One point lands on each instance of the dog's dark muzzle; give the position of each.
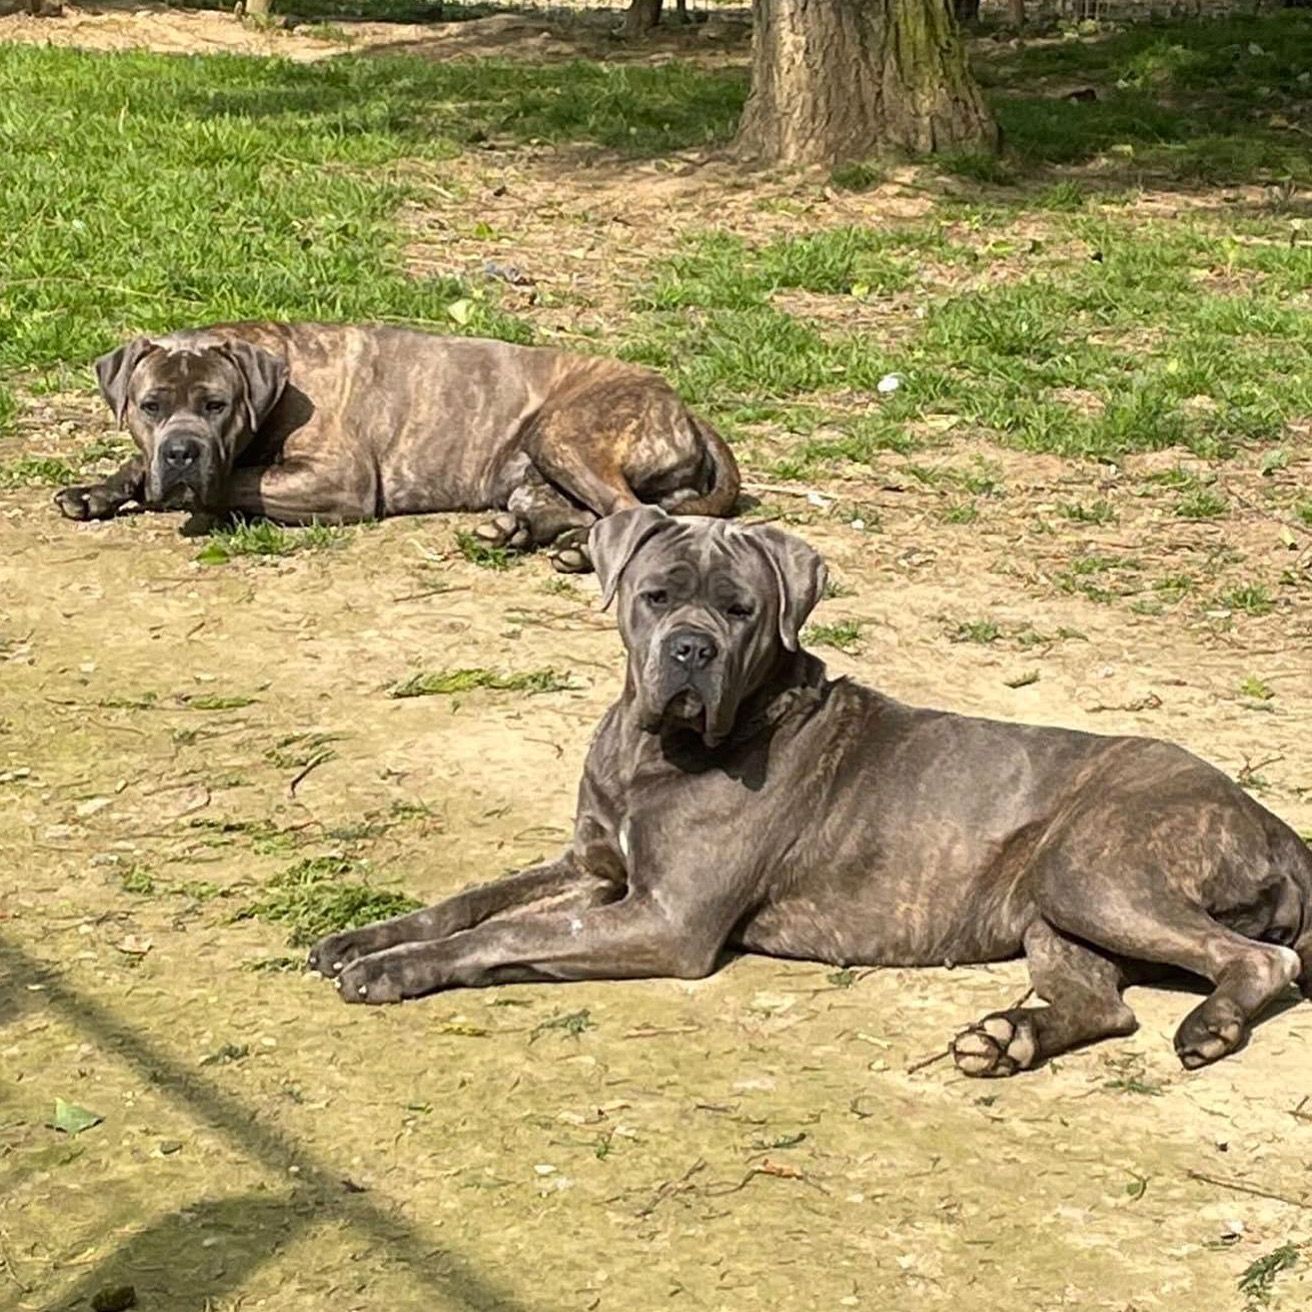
(183, 469)
(689, 684)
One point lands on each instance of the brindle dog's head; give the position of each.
(706, 610)
(191, 407)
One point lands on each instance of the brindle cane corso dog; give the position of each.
(736, 797)
(338, 423)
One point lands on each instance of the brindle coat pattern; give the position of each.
(339, 423)
(736, 797)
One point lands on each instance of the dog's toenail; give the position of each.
(362, 991)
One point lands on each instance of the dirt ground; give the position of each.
(771, 1137)
(132, 26)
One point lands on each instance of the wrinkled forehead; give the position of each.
(697, 557)
(174, 369)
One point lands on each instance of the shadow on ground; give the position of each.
(247, 1230)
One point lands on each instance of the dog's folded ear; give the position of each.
(801, 574)
(264, 374)
(114, 371)
(615, 540)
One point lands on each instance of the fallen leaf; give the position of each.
(72, 1119)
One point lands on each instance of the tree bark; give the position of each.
(256, 8)
(966, 11)
(840, 80)
(1016, 13)
(643, 15)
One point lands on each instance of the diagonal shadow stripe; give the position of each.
(440, 1272)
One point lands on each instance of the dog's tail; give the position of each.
(723, 482)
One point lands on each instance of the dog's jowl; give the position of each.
(736, 797)
(340, 423)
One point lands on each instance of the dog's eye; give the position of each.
(214, 406)
(657, 597)
(149, 407)
(740, 611)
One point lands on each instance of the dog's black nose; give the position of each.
(180, 452)
(693, 648)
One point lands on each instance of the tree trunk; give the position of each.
(1016, 13)
(256, 8)
(966, 11)
(643, 15)
(839, 80)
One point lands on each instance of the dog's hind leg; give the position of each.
(1082, 989)
(1140, 916)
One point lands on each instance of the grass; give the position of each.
(264, 540)
(447, 683)
(1256, 689)
(843, 635)
(1092, 512)
(28, 471)
(1201, 503)
(1207, 102)
(315, 897)
(1251, 598)
(1259, 1277)
(482, 554)
(243, 186)
(981, 631)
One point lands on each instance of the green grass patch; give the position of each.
(1197, 101)
(36, 471)
(723, 270)
(1256, 689)
(1088, 512)
(317, 896)
(981, 631)
(1251, 598)
(1258, 1279)
(843, 635)
(483, 554)
(448, 683)
(211, 188)
(263, 539)
(1201, 503)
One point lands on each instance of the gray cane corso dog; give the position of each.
(337, 423)
(736, 797)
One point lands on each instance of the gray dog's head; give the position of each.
(707, 608)
(191, 408)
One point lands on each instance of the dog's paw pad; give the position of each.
(1204, 1038)
(998, 1046)
(570, 560)
(503, 530)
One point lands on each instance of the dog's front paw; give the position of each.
(1214, 1029)
(370, 980)
(94, 501)
(331, 955)
(999, 1045)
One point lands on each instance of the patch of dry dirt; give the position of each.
(725, 1143)
(132, 26)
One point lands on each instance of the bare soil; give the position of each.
(770, 1137)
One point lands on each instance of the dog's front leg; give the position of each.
(104, 500)
(304, 492)
(561, 883)
(632, 939)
